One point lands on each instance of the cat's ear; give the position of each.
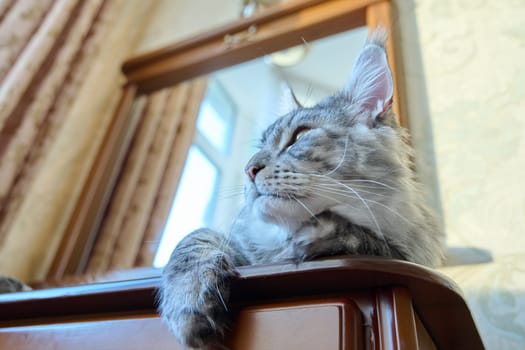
(370, 85)
(289, 101)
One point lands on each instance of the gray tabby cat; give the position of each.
(12, 285)
(328, 180)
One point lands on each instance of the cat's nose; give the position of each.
(252, 170)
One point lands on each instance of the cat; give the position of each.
(333, 179)
(12, 285)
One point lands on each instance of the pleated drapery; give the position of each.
(38, 81)
(140, 205)
(53, 53)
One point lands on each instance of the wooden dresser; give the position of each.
(350, 303)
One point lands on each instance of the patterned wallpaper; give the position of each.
(473, 54)
(464, 64)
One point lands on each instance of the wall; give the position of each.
(175, 20)
(466, 88)
(472, 55)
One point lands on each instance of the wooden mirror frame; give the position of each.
(282, 26)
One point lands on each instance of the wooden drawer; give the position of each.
(325, 324)
(322, 324)
(130, 333)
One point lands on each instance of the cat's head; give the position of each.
(346, 150)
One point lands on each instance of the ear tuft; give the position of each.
(378, 37)
(370, 85)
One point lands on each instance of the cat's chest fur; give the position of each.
(265, 242)
(259, 238)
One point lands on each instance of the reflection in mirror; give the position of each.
(240, 102)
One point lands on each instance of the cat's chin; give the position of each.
(278, 210)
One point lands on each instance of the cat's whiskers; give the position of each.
(354, 185)
(354, 181)
(289, 193)
(341, 161)
(370, 181)
(229, 196)
(319, 193)
(345, 193)
(220, 296)
(231, 192)
(280, 219)
(327, 196)
(342, 188)
(374, 219)
(305, 207)
(359, 185)
(336, 187)
(235, 221)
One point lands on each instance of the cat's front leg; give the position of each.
(195, 288)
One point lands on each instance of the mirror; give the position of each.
(240, 102)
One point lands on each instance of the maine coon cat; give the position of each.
(333, 179)
(12, 285)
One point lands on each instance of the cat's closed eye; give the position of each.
(298, 133)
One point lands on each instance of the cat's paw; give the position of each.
(302, 251)
(12, 285)
(194, 301)
(195, 329)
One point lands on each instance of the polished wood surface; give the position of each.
(115, 333)
(398, 302)
(395, 317)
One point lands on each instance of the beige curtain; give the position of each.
(139, 207)
(51, 53)
(38, 78)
